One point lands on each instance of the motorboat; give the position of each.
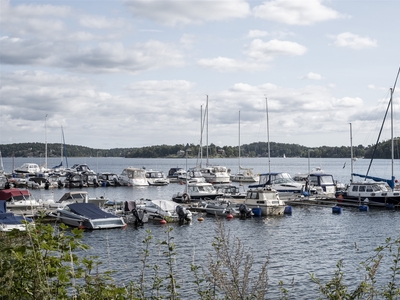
(28, 168)
(226, 209)
(90, 180)
(164, 210)
(156, 178)
(215, 174)
(80, 168)
(74, 180)
(4, 184)
(321, 184)
(20, 199)
(88, 216)
(133, 177)
(9, 221)
(230, 191)
(133, 215)
(192, 175)
(265, 200)
(108, 179)
(245, 175)
(196, 191)
(282, 182)
(173, 174)
(77, 197)
(376, 191)
(378, 194)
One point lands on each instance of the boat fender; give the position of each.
(186, 197)
(336, 210)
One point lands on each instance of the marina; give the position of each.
(310, 240)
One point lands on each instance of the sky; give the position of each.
(122, 74)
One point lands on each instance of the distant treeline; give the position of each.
(259, 149)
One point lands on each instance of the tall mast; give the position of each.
(201, 136)
(206, 111)
(351, 153)
(391, 126)
(45, 141)
(269, 150)
(239, 140)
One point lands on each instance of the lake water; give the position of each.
(311, 240)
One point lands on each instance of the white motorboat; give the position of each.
(282, 182)
(133, 215)
(196, 191)
(164, 210)
(133, 177)
(215, 174)
(193, 175)
(266, 200)
(156, 178)
(245, 175)
(76, 197)
(20, 200)
(89, 216)
(10, 221)
(173, 174)
(226, 209)
(4, 184)
(108, 179)
(28, 168)
(231, 192)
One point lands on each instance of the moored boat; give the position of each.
(133, 177)
(20, 200)
(266, 200)
(88, 216)
(9, 221)
(282, 182)
(196, 191)
(215, 174)
(156, 178)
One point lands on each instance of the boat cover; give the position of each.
(90, 210)
(7, 194)
(10, 218)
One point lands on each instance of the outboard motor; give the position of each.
(182, 214)
(244, 211)
(131, 206)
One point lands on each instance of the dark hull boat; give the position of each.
(88, 216)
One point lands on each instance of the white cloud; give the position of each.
(101, 22)
(105, 57)
(312, 76)
(353, 41)
(257, 33)
(27, 19)
(171, 12)
(295, 12)
(267, 51)
(224, 64)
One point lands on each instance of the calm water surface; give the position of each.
(311, 240)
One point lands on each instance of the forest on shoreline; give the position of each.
(256, 149)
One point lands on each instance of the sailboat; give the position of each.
(264, 199)
(282, 182)
(59, 168)
(244, 174)
(213, 174)
(378, 192)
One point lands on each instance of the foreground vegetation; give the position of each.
(259, 149)
(47, 262)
